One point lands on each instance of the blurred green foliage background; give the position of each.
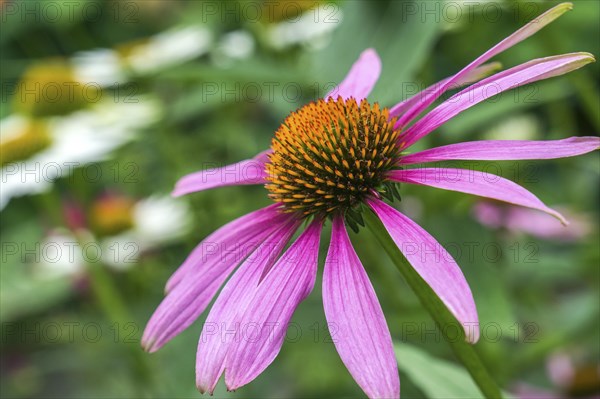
(77, 335)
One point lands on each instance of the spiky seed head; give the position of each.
(329, 155)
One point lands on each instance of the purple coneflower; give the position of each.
(328, 159)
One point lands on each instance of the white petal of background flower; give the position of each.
(78, 139)
(100, 66)
(170, 48)
(238, 44)
(311, 26)
(60, 256)
(161, 219)
(157, 220)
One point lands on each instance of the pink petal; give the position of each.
(227, 238)
(249, 171)
(500, 150)
(190, 297)
(473, 76)
(528, 30)
(434, 264)
(263, 156)
(360, 80)
(357, 324)
(528, 72)
(265, 320)
(223, 320)
(476, 183)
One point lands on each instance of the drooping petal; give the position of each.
(249, 171)
(360, 80)
(357, 324)
(227, 238)
(528, 72)
(434, 264)
(190, 297)
(502, 150)
(265, 320)
(476, 183)
(473, 76)
(222, 322)
(526, 31)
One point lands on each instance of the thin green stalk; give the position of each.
(108, 297)
(442, 317)
(113, 306)
(110, 300)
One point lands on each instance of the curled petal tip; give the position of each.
(564, 221)
(589, 57)
(563, 7)
(560, 217)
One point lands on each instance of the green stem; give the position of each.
(108, 297)
(113, 306)
(110, 300)
(442, 317)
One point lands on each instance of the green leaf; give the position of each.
(23, 296)
(436, 378)
(402, 41)
(21, 292)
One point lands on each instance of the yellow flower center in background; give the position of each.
(52, 89)
(112, 215)
(330, 155)
(29, 138)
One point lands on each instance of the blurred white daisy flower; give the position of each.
(236, 45)
(169, 48)
(102, 66)
(36, 152)
(172, 47)
(138, 227)
(120, 231)
(60, 256)
(311, 28)
(161, 219)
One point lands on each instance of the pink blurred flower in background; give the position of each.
(570, 376)
(532, 222)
